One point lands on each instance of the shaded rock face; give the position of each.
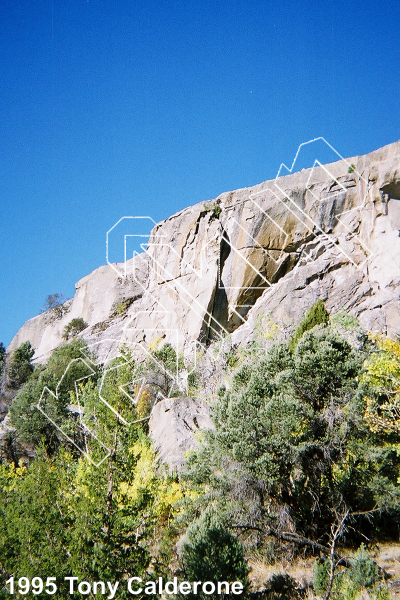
(274, 249)
(173, 426)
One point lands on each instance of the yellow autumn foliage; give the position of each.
(382, 377)
(10, 474)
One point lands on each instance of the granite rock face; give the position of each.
(270, 251)
(276, 248)
(173, 426)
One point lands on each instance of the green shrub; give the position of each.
(364, 572)
(194, 382)
(321, 576)
(143, 405)
(292, 425)
(123, 306)
(169, 358)
(20, 367)
(349, 583)
(351, 168)
(232, 359)
(2, 357)
(215, 208)
(61, 372)
(73, 328)
(212, 553)
(317, 315)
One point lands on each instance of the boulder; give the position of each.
(173, 426)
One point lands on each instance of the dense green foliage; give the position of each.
(348, 583)
(20, 367)
(294, 449)
(212, 553)
(49, 387)
(317, 315)
(73, 328)
(304, 455)
(90, 514)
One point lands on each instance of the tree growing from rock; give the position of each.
(20, 367)
(73, 328)
(317, 315)
(52, 301)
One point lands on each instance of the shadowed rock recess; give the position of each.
(328, 232)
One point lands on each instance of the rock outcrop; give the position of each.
(174, 424)
(216, 268)
(277, 247)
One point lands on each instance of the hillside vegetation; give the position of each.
(303, 464)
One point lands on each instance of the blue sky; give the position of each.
(142, 108)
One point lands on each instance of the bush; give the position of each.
(349, 583)
(61, 372)
(215, 208)
(143, 405)
(74, 327)
(321, 576)
(290, 434)
(282, 587)
(212, 553)
(20, 367)
(317, 315)
(2, 357)
(122, 306)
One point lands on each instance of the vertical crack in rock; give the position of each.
(217, 317)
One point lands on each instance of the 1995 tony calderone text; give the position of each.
(134, 585)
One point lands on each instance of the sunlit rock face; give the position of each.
(257, 255)
(173, 426)
(274, 249)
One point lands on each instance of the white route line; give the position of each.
(325, 235)
(298, 152)
(308, 188)
(184, 294)
(120, 387)
(202, 251)
(113, 265)
(231, 287)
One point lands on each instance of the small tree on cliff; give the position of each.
(2, 357)
(20, 368)
(317, 315)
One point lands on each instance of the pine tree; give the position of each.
(212, 553)
(20, 368)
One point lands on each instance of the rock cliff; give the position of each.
(329, 232)
(216, 270)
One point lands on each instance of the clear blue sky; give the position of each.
(122, 107)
